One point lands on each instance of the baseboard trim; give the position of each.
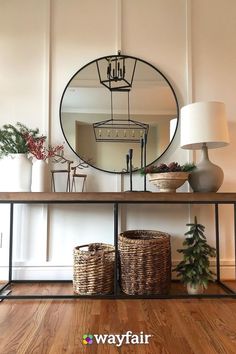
(38, 272)
(57, 272)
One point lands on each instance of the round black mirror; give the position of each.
(115, 104)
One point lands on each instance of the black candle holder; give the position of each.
(130, 169)
(129, 163)
(145, 162)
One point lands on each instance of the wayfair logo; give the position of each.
(117, 339)
(87, 339)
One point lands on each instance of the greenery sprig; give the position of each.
(172, 167)
(195, 266)
(12, 139)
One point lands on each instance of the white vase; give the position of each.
(40, 176)
(16, 172)
(194, 289)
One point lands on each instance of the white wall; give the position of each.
(43, 43)
(214, 68)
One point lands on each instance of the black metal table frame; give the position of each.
(5, 292)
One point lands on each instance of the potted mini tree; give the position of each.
(194, 270)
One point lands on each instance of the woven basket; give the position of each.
(94, 269)
(145, 262)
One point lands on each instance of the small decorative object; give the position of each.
(143, 145)
(194, 270)
(168, 177)
(168, 182)
(40, 169)
(130, 169)
(145, 262)
(127, 163)
(77, 175)
(94, 269)
(40, 176)
(69, 171)
(16, 167)
(60, 158)
(204, 126)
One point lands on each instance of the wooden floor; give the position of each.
(177, 326)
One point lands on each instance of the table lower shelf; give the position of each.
(64, 290)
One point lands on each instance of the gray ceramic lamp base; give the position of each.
(207, 177)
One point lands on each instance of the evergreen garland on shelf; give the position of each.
(195, 267)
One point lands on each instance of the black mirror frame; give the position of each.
(138, 59)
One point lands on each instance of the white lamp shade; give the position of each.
(204, 122)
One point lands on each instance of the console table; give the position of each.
(117, 199)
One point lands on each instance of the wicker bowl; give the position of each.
(93, 271)
(168, 181)
(145, 262)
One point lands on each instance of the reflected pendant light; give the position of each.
(120, 130)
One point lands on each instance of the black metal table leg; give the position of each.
(4, 291)
(227, 288)
(116, 209)
(217, 243)
(235, 241)
(11, 242)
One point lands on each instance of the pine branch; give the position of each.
(12, 139)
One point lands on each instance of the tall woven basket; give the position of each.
(93, 271)
(145, 262)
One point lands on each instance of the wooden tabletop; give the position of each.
(113, 197)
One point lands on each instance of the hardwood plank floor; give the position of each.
(189, 326)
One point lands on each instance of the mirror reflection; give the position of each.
(116, 104)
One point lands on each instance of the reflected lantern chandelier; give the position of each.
(114, 74)
(120, 130)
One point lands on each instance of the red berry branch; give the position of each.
(37, 148)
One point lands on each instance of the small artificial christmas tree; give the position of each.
(194, 269)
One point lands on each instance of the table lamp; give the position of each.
(204, 126)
